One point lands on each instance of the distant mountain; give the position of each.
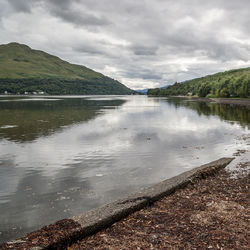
(142, 91)
(23, 69)
(232, 83)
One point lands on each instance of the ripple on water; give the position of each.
(8, 126)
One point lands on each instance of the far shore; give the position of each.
(231, 101)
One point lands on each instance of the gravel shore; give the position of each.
(213, 213)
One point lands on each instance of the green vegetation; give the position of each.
(55, 86)
(233, 83)
(23, 69)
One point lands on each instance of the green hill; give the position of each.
(23, 69)
(232, 83)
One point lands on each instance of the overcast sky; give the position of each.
(142, 43)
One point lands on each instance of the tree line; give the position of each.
(234, 83)
(55, 86)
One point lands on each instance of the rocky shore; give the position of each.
(212, 213)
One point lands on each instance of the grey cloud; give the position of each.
(61, 3)
(144, 50)
(226, 52)
(20, 5)
(142, 73)
(79, 18)
(161, 41)
(69, 11)
(62, 9)
(85, 48)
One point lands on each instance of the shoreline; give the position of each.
(228, 101)
(244, 102)
(212, 213)
(68, 231)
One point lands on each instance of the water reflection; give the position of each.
(110, 147)
(23, 121)
(225, 112)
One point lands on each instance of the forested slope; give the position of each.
(233, 83)
(23, 69)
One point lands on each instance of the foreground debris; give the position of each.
(212, 213)
(63, 233)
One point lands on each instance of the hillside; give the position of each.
(23, 69)
(233, 83)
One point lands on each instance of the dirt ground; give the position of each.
(213, 213)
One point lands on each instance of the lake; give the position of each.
(63, 155)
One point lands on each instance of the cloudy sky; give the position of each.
(142, 43)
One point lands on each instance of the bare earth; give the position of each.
(213, 213)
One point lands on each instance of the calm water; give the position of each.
(60, 156)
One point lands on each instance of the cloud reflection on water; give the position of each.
(86, 164)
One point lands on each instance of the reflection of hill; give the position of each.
(225, 112)
(40, 118)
